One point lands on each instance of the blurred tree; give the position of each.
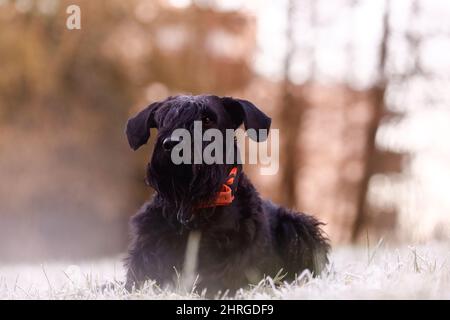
(290, 119)
(376, 160)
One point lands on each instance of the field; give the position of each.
(381, 272)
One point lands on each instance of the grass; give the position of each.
(382, 272)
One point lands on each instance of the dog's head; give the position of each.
(187, 184)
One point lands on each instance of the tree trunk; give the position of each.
(377, 97)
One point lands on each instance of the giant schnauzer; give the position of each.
(242, 235)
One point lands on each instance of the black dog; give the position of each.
(243, 237)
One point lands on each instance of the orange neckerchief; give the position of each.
(225, 196)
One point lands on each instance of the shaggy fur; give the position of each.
(240, 243)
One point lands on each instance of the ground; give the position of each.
(381, 272)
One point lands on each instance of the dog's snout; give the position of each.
(169, 143)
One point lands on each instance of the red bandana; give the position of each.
(225, 196)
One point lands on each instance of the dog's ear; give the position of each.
(138, 127)
(243, 111)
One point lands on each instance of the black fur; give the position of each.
(241, 242)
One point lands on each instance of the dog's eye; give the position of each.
(206, 120)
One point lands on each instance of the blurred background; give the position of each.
(358, 88)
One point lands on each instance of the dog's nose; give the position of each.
(169, 143)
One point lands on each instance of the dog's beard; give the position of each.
(184, 187)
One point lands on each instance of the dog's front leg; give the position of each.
(141, 267)
(146, 250)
